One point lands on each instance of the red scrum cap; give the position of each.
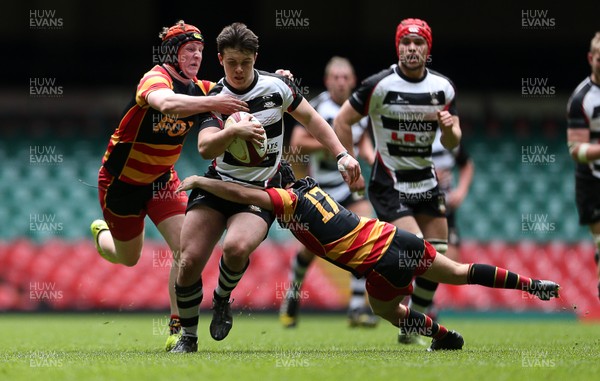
(179, 34)
(413, 26)
(173, 39)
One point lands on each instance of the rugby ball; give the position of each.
(246, 152)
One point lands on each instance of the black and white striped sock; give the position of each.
(424, 290)
(188, 301)
(297, 273)
(357, 300)
(228, 279)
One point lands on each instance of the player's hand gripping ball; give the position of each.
(246, 152)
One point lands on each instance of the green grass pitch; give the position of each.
(130, 347)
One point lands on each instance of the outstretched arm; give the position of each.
(228, 191)
(168, 102)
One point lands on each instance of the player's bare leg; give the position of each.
(170, 229)
(129, 252)
(201, 232)
(245, 231)
(123, 252)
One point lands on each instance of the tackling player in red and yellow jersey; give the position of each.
(336, 234)
(388, 257)
(137, 177)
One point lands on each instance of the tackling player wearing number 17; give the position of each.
(386, 256)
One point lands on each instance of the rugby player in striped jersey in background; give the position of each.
(340, 80)
(583, 136)
(407, 103)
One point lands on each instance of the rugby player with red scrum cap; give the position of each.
(137, 176)
(407, 103)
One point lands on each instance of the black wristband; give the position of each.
(341, 155)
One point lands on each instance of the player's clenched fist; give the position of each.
(445, 119)
(348, 167)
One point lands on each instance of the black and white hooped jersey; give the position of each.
(583, 111)
(323, 165)
(268, 98)
(403, 114)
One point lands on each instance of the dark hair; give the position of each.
(237, 36)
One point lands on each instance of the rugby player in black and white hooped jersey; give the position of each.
(406, 104)
(583, 136)
(268, 97)
(340, 80)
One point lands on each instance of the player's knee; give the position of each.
(237, 251)
(385, 310)
(382, 312)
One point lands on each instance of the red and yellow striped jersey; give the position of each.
(147, 143)
(328, 229)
